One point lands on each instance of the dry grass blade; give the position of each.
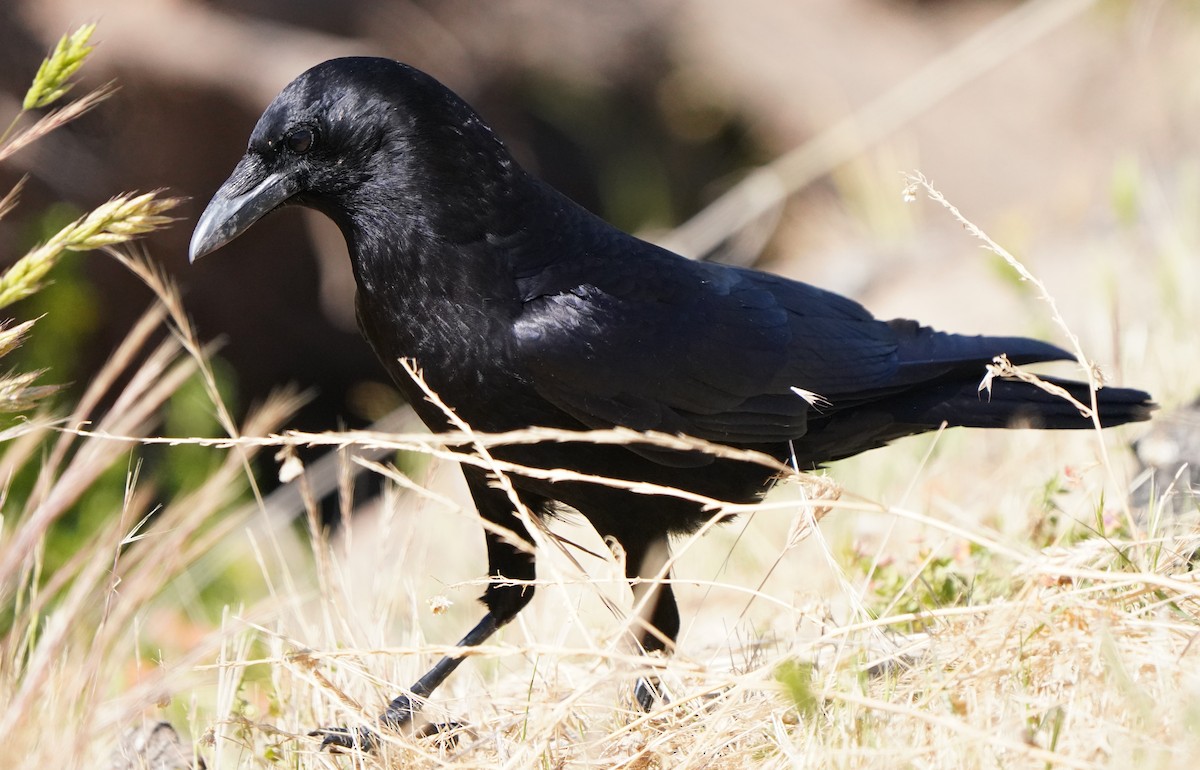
(1095, 381)
(152, 383)
(182, 532)
(1003, 368)
(56, 119)
(154, 277)
(9, 201)
(498, 471)
(917, 180)
(432, 445)
(122, 359)
(422, 442)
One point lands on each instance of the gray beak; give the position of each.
(248, 195)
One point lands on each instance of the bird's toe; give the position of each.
(338, 739)
(446, 734)
(647, 691)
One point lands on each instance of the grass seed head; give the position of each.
(51, 81)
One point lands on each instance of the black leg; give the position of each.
(503, 599)
(661, 612)
(404, 707)
(665, 620)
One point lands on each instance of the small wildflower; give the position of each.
(438, 604)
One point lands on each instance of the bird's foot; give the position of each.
(446, 734)
(339, 739)
(647, 691)
(397, 715)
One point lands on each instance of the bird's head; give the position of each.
(359, 139)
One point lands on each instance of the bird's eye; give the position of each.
(300, 141)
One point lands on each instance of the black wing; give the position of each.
(657, 342)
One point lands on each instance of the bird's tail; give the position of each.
(1011, 403)
(943, 371)
(961, 403)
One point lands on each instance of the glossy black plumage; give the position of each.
(522, 309)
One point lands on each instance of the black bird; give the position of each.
(523, 309)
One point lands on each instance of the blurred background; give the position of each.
(1061, 127)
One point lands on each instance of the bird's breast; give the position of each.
(462, 354)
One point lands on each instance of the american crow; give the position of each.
(523, 309)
